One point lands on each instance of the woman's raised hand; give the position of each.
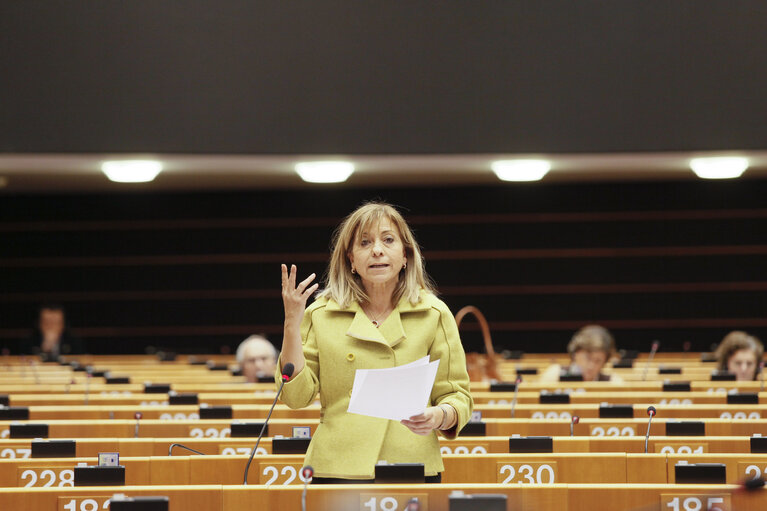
(294, 300)
(294, 297)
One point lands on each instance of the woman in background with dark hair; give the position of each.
(590, 349)
(740, 354)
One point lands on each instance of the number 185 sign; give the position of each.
(692, 502)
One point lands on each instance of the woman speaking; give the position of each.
(378, 310)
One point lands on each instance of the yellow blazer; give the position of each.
(338, 341)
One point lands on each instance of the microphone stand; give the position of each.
(306, 474)
(651, 412)
(170, 449)
(655, 346)
(516, 391)
(138, 416)
(287, 372)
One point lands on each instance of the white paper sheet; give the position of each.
(394, 393)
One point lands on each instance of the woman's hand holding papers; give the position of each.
(424, 423)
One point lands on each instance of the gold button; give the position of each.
(350, 357)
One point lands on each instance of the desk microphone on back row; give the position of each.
(516, 391)
(653, 350)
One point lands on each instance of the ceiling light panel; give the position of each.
(521, 170)
(131, 171)
(324, 171)
(719, 167)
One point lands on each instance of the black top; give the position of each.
(68, 345)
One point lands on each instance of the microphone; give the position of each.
(138, 416)
(575, 420)
(306, 474)
(413, 505)
(655, 346)
(88, 377)
(170, 449)
(753, 484)
(34, 371)
(516, 390)
(651, 412)
(287, 372)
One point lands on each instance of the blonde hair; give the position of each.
(592, 338)
(344, 287)
(735, 341)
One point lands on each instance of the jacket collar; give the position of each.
(390, 333)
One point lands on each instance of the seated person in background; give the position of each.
(52, 337)
(590, 349)
(257, 358)
(740, 354)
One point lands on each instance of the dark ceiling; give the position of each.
(289, 77)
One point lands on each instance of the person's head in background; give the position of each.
(590, 349)
(740, 354)
(51, 323)
(257, 357)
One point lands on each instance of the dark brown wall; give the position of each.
(671, 261)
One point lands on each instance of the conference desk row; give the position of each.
(687, 359)
(280, 470)
(21, 448)
(523, 397)
(390, 497)
(78, 366)
(99, 387)
(248, 412)
(191, 377)
(169, 358)
(221, 428)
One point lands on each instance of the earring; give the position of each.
(353, 270)
(404, 266)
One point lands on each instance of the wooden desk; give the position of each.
(130, 394)
(181, 498)
(632, 497)
(739, 466)
(90, 447)
(574, 497)
(258, 498)
(220, 428)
